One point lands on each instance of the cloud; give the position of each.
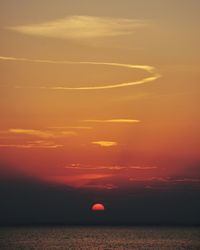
(44, 138)
(114, 121)
(142, 167)
(33, 144)
(168, 182)
(154, 75)
(107, 186)
(82, 27)
(42, 133)
(79, 181)
(78, 166)
(33, 132)
(71, 127)
(105, 143)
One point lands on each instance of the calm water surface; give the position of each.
(135, 238)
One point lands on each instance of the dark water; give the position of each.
(135, 238)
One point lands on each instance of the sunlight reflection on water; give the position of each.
(99, 238)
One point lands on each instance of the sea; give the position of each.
(99, 238)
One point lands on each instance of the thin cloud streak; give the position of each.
(114, 121)
(42, 133)
(33, 144)
(141, 167)
(154, 75)
(168, 182)
(78, 166)
(71, 127)
(101, 186)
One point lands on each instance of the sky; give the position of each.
(100, 97)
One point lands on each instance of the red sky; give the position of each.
(101, 133)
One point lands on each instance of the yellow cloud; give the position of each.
(82, 27)
(33, 144)
(71, 127)
(149, 69)
(34, 132)
(114, 121)
(105, 143)
(42, 133)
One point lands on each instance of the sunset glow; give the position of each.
(100, 96)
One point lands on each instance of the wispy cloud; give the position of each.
(165, 183)
(79, 166)
(34, 144)
(142, 167)
(105, 143)
(147, 68)
(107, 186)
(33, 138)
(70, 127)
(46, 134)
(81, 180)
(114, 121)
(82, 27)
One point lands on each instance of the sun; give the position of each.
(98, 207)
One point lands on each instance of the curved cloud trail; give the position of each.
(150, 69)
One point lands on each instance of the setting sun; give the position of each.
(98, 207)
(99, 112)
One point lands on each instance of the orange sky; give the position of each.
(128, 113)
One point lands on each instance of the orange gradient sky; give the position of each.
(100, 94)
